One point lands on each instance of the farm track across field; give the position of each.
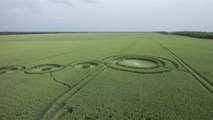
(202, 80)
(55, 110)
(61, 100)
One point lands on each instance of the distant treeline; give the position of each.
(205, 35)
(20, 33)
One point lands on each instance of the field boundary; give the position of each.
(201, 80)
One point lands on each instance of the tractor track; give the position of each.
(201, 79)
(55, 111)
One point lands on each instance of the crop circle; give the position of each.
(140, 64)
(10, 68)
(44, 68)
(87, 65)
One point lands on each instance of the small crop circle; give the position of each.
(10, 68)
(140, 64)
(44, 68)
(87, 65)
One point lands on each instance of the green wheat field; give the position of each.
(105, 76)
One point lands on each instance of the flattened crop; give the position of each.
(140, 64)
(44, 68)
(87, 65)
(10, 68)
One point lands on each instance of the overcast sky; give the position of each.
(106, 15)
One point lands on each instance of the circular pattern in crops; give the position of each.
(140, 64)
(44, 68)
(10, 68)
(87, 65)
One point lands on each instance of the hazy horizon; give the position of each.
(105, 15)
